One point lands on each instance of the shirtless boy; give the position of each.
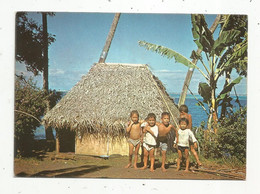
(164, 128)
(134, 130)
(184, 114)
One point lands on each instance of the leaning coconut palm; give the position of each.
(98, 106)
(220, 55)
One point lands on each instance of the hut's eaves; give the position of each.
(103, 99)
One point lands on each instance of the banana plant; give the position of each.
(220, 56)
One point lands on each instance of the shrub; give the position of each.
(29, 107)
(230, 141)
(232, 135)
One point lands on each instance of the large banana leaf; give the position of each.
(224, 93)
(202, 35)
(164, 51)
(234, 57)
(205, 91)
(225, 98)
(195, 56)
(238, 54)
(226, 38)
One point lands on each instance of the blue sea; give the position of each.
(198, 114)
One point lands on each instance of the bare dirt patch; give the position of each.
(69, 165)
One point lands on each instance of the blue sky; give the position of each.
(80, 38)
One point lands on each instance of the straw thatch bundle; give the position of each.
(100, 103)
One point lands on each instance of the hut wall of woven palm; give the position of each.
(102, 100)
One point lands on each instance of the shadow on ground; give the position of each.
(66, 172)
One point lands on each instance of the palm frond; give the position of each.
(169, 53)
(166, 52)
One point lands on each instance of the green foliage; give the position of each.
(225, 40)
(167, 53)
(202, 35)
(205, 91)
(29, 43)
(30, 106)
(232, 135)
(230, 143)
(227, 89)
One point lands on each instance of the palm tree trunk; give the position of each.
(48, 131)
(190, 71)
(45, 54)
(110, 36)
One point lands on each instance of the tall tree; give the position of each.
(48, 130)
(218, 60)
(32, 41)
(29, 43)
(238, 61)
(191, 70)
(110, 37)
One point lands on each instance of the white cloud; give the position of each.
(167, 71)
(56, 72)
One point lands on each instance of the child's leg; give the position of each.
(151, 154)
(142, 154)
(136, 155)
(163, 160)
(187, 159)
(131, 148)
(193, 151)
(145, 158)
(179, 160)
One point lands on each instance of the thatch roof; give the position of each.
(103, 99)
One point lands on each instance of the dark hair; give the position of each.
(165, 113)
(185, 120)
(134, 112)
(183, 108)
(151, 115)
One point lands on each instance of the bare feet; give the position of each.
(135, 167)
(143, 168)
(186, 170)
(151, 170)
(163, 169)
(199, 163)
(128, 165)
(177, 169)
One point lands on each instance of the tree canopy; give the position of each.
(30, 43)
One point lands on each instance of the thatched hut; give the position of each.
(97, 108)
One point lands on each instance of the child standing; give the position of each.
(184, 114)
(150, 133)
(164, 129)
(184, 135)
(135, 132)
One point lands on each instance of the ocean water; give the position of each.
(198, 114)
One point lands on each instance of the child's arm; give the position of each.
(193, 139)
(176, 134)
(175, 143)
(143, 130)
(190, 121)
(195, 145)
(148, 129)
(128, 129)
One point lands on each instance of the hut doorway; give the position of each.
(66, 139)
